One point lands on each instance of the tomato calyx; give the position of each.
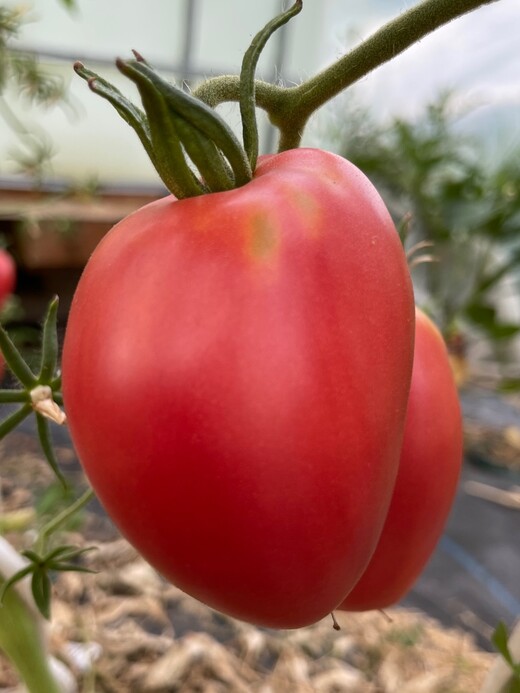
(180, 132)
(40, 393)
(174, 127)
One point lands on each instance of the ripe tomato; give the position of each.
(236, 369)
(427, 479)
(7, 275)
(7, 284)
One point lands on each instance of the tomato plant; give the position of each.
(238, 358)
(427, 479)
(235, 374)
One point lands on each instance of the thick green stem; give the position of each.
(290, 108)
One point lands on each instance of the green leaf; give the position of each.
(503, 330)
(41, 588)
(481, 313)
(500, 641)
(491, 279)
(14, 579)
(485, 316)
(510, 385)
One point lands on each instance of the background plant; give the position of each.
(22, 74)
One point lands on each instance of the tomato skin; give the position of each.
(427, 479)
(236, 368)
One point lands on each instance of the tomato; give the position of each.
(7, 275)
(7, 284)
(427, 479)
(236, 369)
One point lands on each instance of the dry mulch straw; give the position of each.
(124, 629)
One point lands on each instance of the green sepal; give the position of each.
(201, 119)
(247, 99)
(178, 132)
(169, 156)
(16, 577)
(130, 113)
(41, 588)
(57, 560)
(217, 176)
(16, 362)
(50, 347)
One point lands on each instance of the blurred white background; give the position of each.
(478, 56)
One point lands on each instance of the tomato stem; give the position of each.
(290, 108)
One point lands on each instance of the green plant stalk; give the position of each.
(22, 630)
(62, 518)
(290, 108)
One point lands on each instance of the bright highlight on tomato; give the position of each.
(236, 371)
(427, 480)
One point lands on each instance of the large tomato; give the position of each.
(427, 479)
(236, 369)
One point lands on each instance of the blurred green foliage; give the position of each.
(443, 189)
(500, 640)
(22, 78)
